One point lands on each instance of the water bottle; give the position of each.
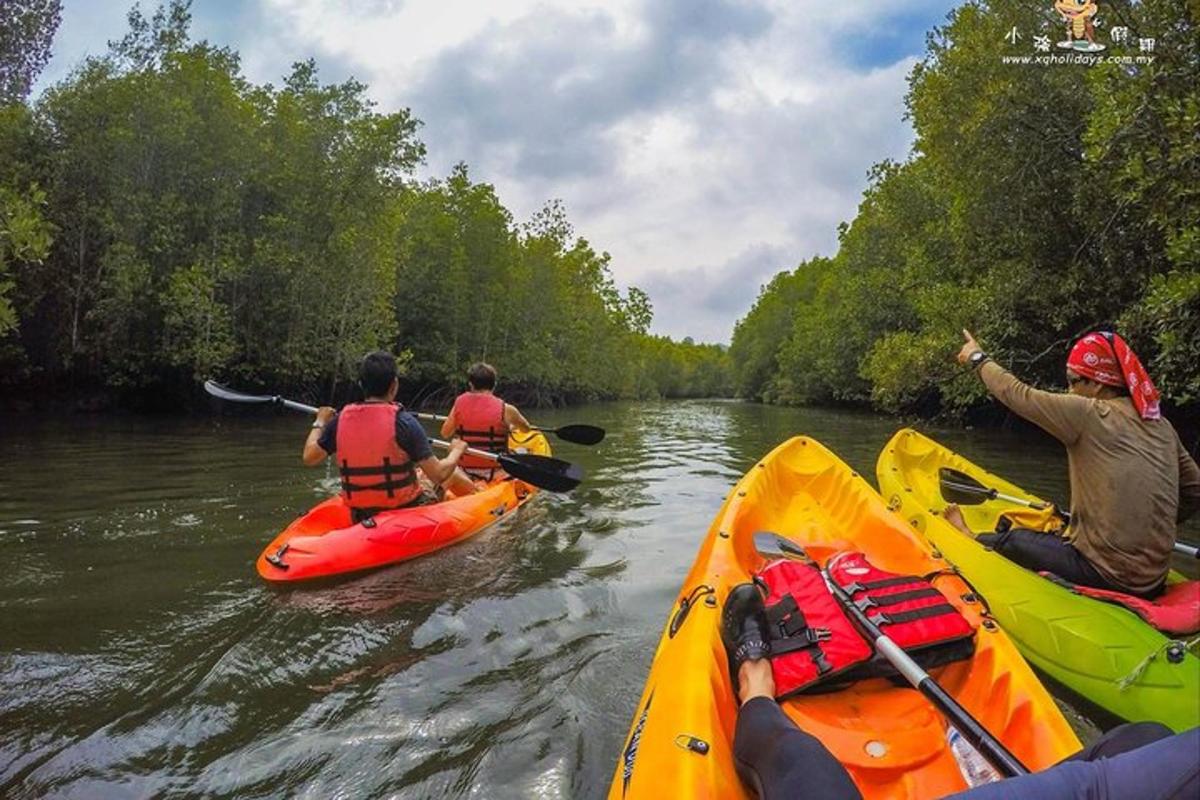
(975, 769)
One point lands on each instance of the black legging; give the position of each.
(1048, 552)
(779, 761)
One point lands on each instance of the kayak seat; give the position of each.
(1176, 611)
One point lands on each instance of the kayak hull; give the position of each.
(890, 738)
(324, 542)
(1105, 653)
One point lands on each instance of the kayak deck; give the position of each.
(890, 738)
(324, 541)
(1102, 651)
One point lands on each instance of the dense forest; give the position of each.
(1039, 201)
(164, 220)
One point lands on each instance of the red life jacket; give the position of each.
(812, 639)
(909, 609)
(367, 449)
(1175, 611)
(814, 642)
(480, 418)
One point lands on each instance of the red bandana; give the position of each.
(1105, 358)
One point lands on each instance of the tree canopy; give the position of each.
(1040, 201)
(163, 220)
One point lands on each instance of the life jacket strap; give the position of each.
(884, 618)
(882, 583)
(879, 601)
(405, 473)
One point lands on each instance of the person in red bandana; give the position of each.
(1132, 480)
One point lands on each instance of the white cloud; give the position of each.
(702, 142)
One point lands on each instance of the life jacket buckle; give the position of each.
(815, 635)
(865, 602)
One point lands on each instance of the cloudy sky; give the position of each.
(706, 144)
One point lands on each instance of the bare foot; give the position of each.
(953, 515)
(755, 679)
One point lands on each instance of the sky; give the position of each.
(705, 144)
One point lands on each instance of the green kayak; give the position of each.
(1104, 652)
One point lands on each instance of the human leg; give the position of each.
(460, 483)
(1046, 552)
(1166, 769)
(1122, 739)
(778, 760)
(772, 755)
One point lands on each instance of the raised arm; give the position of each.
(1060, 415)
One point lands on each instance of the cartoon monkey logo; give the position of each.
(1081, 33)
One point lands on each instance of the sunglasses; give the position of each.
(1074, 379)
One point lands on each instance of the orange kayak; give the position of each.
(890, 738)
(325, 542)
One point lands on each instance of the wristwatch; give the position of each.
(977, 358)
(318, 425)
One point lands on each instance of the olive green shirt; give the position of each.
(1132, 481)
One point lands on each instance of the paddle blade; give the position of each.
(580, 434)
(772, 545)
(959, 487)
(544, 472)
(225, 393)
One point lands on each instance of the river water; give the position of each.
(141, 656)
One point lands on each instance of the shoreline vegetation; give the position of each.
(167, 221)
(1039, 202)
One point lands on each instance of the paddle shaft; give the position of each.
(576, 434)
(988, 746)
(992, 494)
(307, 409)
(1188, 550)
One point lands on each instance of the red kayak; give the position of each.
(324, 542)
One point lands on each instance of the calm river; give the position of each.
(141, 656)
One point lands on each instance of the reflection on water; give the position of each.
(141, 656)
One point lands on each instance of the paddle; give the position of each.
(959, 487)
(576, 434)
(545, 472)
(772, 545)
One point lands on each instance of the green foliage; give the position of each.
(1169, 317)
(1039, 202)
(25, 238)
(26, 30)
(272, 235)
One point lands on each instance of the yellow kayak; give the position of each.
(890, 738)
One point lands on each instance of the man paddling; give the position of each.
(1132, 480)
(379, 446)
(483, 420)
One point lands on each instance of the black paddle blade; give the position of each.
(959, 487)
(580, 434)
(225, 393)
(544, 472)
